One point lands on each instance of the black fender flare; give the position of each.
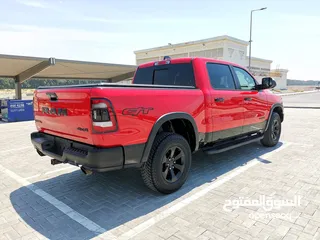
(271, 111)
(164, 118)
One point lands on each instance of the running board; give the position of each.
(231, 144)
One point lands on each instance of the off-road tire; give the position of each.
(151, 170)
(269, 139)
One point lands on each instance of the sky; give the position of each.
(288, 32)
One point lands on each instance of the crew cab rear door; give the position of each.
(254, 101)
(226, 105)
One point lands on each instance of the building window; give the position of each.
(181, 55)
(210, 53)
(230, 51)
(241, 53)
(145, 60)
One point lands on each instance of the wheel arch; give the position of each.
(278, 108)
(159, 124)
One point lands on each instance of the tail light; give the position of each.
(103, 116)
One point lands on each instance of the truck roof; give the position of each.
(189, 59)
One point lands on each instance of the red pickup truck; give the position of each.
(172, 109)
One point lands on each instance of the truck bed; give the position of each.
(67, 111)
(113, 85)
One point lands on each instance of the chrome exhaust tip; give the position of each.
(55, 162)
(86, 171)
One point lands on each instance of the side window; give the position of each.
(245, 80)
(220, 76)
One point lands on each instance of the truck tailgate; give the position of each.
(64, 112)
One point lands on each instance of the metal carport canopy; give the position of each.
(22, 68)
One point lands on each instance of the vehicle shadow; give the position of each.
(115, 198)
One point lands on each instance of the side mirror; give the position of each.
(267, 83)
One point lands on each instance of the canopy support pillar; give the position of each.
(17, 86)
(29, 73)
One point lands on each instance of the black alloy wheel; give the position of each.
(272, 134)
(275, 131)
(173, 164)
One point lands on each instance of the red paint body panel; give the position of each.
(210, 116)
(257, 109)
(132, 129)
(136, 129)
(77, 101)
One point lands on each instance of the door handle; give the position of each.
(219, 99)
(247, 98)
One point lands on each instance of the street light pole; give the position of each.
(250, 41)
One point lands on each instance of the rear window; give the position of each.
(180, 74)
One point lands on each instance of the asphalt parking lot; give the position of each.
(40, 201)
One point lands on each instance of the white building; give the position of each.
(223, 48)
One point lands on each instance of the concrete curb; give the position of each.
(297, 93)
(301, 107)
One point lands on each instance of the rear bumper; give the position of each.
(68, 151)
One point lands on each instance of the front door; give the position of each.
(226, 103)
(254, 102)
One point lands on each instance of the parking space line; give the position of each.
(74, 215)
(302, 144)
(50, 172)
(182, 203)
(101, 232)
(16, 149)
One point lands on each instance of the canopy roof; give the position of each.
(22, 68)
